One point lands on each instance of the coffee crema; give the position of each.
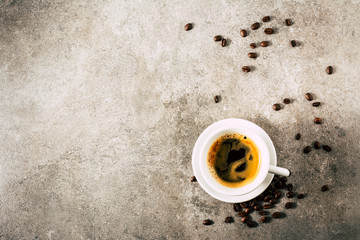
(233, 160)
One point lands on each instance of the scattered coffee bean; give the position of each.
(252, 45)
(264, 219)
(267, 198)
(298, 136)
(217, 38)
(188, 27)
(280, 185)
(283, 179)
(245, 219)
(276, 107)
(326, 148)
(301, 196)
(307, 149)
(277, 215)
(273, 201)
(268, 31)
(267, 206)
(208, 222)
(223, 42)
(242, 214)
(286, 100)
(252, 203)
(266, 19)
(262, 213)
(244, 205)
(324, 188)
(317, 120)
(193, 179)
(290, 187)
(309, 96)
(243, 33)
(290, 194)
(237, 207)
(317, 145)
(247, 210)
(257, 207)
(264, 43)
(329, 70)
(316, 104)
(293, 43)
(287, 22)
(252, 55)
(255, 26)
(251, 224)
(246, 69)
(229, 219)
(288, 205)
(217, 98)
(278, 195)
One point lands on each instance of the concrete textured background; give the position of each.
(101, 103)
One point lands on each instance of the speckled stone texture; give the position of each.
(101, 103)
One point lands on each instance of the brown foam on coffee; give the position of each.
(233, 160)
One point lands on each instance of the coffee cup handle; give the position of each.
(279, 171)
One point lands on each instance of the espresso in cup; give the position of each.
(233, 160)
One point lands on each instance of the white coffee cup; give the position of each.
(264, 161)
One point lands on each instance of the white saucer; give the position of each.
(196, 163)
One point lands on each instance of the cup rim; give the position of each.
(264, 158)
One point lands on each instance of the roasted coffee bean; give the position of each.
(217, 38)
(277, 215)
(266, 19)
(237, 207)
(245, 219)
(293, 43)
(283, 179)
(307, 149)
(223, 42)
(252, 203)
(324, 188)
(280, 185)
(276, 107)
(255, 26)
(298, 136)
(208, 222)
(309, 96)
(246, 69)
(301, 196)
(287, 22)
(290, 194)
(269, 31)
(243, 33)
(193, 179)
(278, 195)
(317, 145)
(317, 120)
(273, 201)
(251, 224)
(267, 198)
(217, 98)
(329, 70)
(188, 27)
(288, 205)
(252, 45)
(286, 100)
(229, 219)
(290, 187)
(247, 210)
(264, 219)
(264, 43)
(316, 104)
(326, 148)
(244, 205)
(267, 206)
(257, 207)
(262, 213)
(242, 214)
(252, 55)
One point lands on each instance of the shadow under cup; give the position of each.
(263, 165)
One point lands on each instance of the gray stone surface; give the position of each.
(101, 103)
